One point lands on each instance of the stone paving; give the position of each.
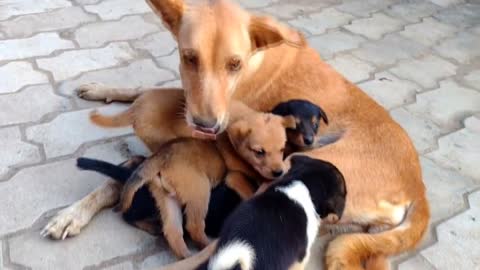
(419, 59)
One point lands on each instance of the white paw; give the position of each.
(67, 223)
(94, 91)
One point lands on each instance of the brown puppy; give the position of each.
(228, 54)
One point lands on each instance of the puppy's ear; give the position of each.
(238, 131)
(322, 115)
(266, 32)
(171, 12)
(289, 121)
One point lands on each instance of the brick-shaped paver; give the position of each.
(39, 45)
(98, 34)
(390, 91)
(334, 42)
(461, 150)
(59, 19)
(59, 138)
(10, 81)
(15, 8)
(473, 79)
(115, 9)
(463, 47)
(40, 100)
(15, 152)
(72, 63)
(318, 23)
(425, 71)
(157, 44)
(375, 27)
(412, 10)
(428, 32)
(457, 246)
(352, 68)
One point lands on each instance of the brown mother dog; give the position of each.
(228, 53)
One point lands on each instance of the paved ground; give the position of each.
(420, 59)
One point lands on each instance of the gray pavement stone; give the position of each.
(121, 266)
(158, 259)
(352, 68)
(447, 105)
(9, 80)
(15, 8)
(72, 63)
(389, 90)
(460, 16)
(107, 237)
(39, 45)
(15, 152)
(98, 34)
(446, 3)
(412, 10)
(388, 50)
(59, 138)
(115, 9)
(117, 151)
(425, 71)
(318, 23)
(363, 8)
(473, 79)
(256, 3)
(172, 62)
(428, 32)
(463, 47)
(157, 44)
(56, 20)
(30, 104)
(375, 27)
(289, 11)
(334, 42)
(415, 263)
(461, 150)
(422, 131)
(457, 246)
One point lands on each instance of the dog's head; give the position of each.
(308, 118)
(219, 43)
(260, 139)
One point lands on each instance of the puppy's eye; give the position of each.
(259, 153)
(234, 65)
(190, 59)
(315, 125)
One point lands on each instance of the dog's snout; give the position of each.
(205, 123)
(308, 140)
(277, 173)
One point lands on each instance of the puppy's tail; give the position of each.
(122, 119)
(233, 255)
(116, 172)
(351, 250)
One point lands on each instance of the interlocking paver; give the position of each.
(318, 23)
(457, 246)
(389, 90)
(172, 62)
(38, 45)
(157, 260)
(15, 152)
(334, 42)
(415, 263)
(157, 44)
(98, 34)
(461, 150)
(473, 79)
(446, 3)
(10, 81)
(375, 27)
(56, 20)
(425, 71)
(289, 11)
(14, 8)
(40, 100)
(364, 8)
(463, 47)
(464, 15)
(412, 10)
(121, 266)
(72, 63)
(256, 3)
(352, 68)
(60, 139)
(428, 32)
(115, 9)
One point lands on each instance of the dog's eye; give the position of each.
(234, 64)
(190, 59)
(259, 153)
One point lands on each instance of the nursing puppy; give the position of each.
(276, 229)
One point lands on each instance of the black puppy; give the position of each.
(223, 200)
(308, 116)
(276, 229)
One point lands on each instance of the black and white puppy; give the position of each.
(276, 229)
(308, 117)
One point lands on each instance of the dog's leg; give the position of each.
(194, 261)
(96, 91)
(238, 182)
(196, 212)
(71, 220)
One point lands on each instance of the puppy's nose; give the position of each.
(204, 123)
(277, 173)
(308, 140)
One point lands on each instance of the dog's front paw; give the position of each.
(94, 91)
(67, 223)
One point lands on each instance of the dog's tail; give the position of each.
(122, 119)
(232, 256)
(354, 249)
(116, 172)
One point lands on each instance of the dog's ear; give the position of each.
(171, 12)
(266, 32)
(322, 115)
(289, 121)
(238, 130)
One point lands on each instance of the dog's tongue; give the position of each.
(204, 135)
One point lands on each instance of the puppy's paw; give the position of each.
(67, 223)
(94, 91)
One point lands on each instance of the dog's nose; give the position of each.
(204, 123)
(277, 173)
(308, 140)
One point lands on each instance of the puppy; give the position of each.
(276, 229)
(307, 116)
